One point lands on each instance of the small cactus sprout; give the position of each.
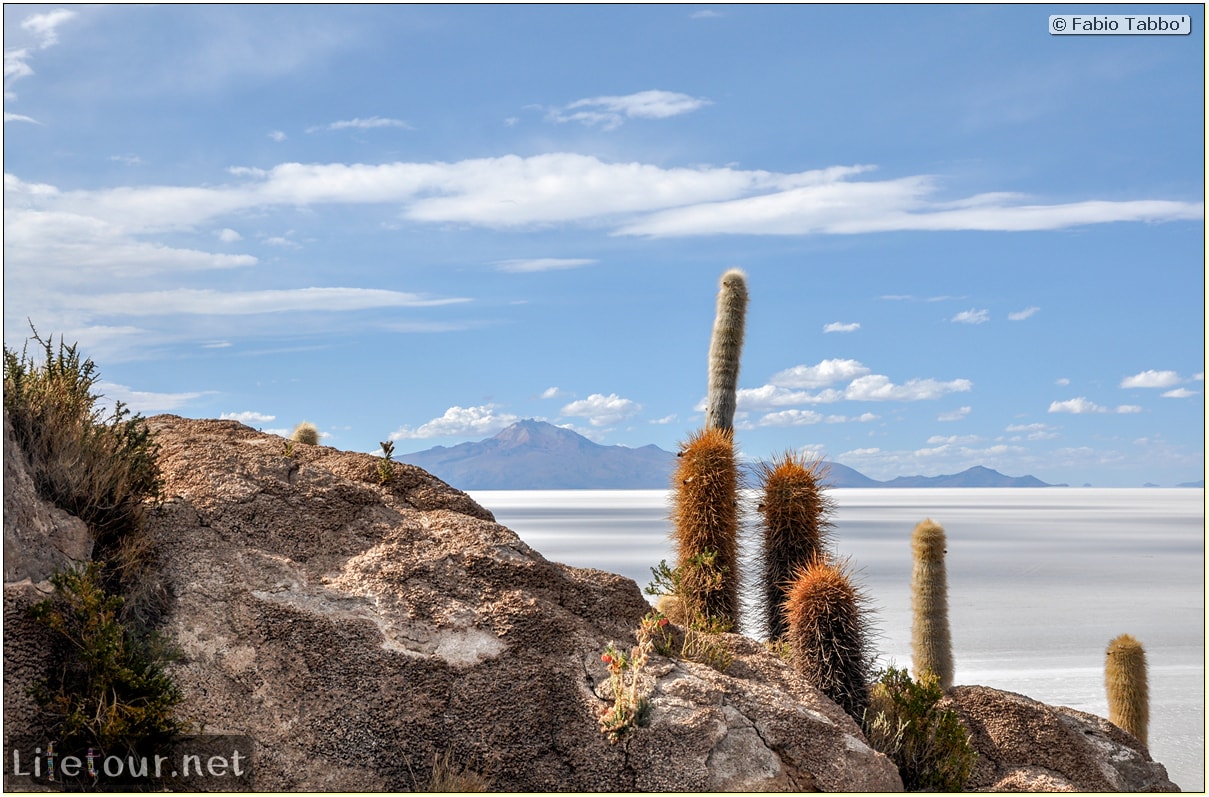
(724, 350)
(706, 524)
(305, 432)
(796, 523)
(931, 646)
(1125, 681)
(386, 470)
(829, 632)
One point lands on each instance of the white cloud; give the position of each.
(229, 236)
(129, 160)
(972, 317)
(529, 265)
(601, 410)
(360, 124)
(755, 399)
(1180, 392)
(955, 415)
(17, 117)
(954, 440)
(837, 326)
(827, 372)
(666, 419)
(1154, 379)
(841, 207)
(511, 191)
(611, 112)
(478, 421)
(876, 387)
(209, 302)
(1031, 431)
(277, 135)
(247, 418)
(551, 393)
(46, 26)
(791, 418)
(862, 387)
(142, 401)
(1063, 381)
(1020, 315)
(1083, 406)
(706, 13)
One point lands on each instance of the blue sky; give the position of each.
(968, 242)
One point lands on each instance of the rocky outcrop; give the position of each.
(38, 536)
(358, 630)
(1028, 746)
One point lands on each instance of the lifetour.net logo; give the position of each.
(190, 763)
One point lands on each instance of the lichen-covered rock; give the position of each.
(1024, 745)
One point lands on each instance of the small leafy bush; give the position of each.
(99, 467)
(930, 746)
(110, 690)
(386, 467)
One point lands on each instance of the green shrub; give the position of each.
(109, 690)
(386, 466)
(98, 467)
(930, 746)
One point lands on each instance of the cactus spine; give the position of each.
(706, 518)
(1125, 681)
(305, 432)
(797, 524)
(828, 634)
(724, 350)
(930, 643)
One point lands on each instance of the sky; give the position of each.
(967, 241)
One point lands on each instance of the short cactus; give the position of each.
(305, 433)
(931, 646)
(1128, 691)
(796, 523)
(828, 634)
(724, 350)
(706, 523)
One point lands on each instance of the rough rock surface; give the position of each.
(1024, 745)
(38, 536)
(357, 630)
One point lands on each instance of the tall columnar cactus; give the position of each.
(931, 647)
(706, 519)
(724, 350)
(828, 634)
(305, 433)
(1125, 681)
(797, 524)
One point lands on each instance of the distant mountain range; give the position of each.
(535, 455)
